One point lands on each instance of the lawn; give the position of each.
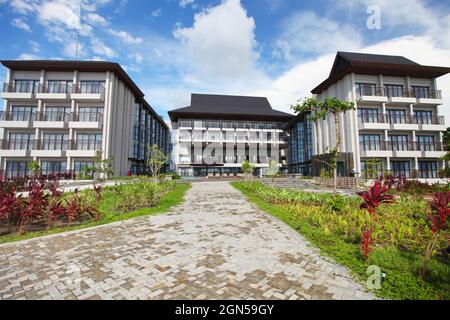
(109, 212)
(332, 226)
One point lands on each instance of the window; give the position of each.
(79, 165)
(89, 141)
(23, 113)
(372, 171)
(401, 169)
(397, 116)
(59, 86)
(428, 169)
(426, 143)
(367, 115)
(399, 142)
(92, 87)
(423, 117)
(25, 86)
(52, 167)
(21, 141)
(394, 90)
(370, 141)
(90, 114)
(421, 91)
(366, 89)
(17, 169)
(61, 114)
(55, 141)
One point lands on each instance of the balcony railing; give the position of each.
(87, 145)
(20, 87)
(373, 118)
(55, 87)
(401, 146)
(56, 116)
(51, 145)
(401, 119)
(87, 117)
(369, 90)
(17, 116)
(17, 144)
(89, 88)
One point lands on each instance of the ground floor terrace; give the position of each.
(216, 245)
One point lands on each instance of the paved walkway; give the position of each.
(214, 246)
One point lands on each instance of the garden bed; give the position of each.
(51, 211)
(335, 225)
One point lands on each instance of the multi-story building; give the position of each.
(217, 133)
(61, 113)
(396, 122)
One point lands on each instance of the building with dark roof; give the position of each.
(238, 128)
(396, 126)
(62, 113)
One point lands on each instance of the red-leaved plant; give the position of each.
(372, 199)
(437, 221)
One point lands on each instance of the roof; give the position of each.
(375, 64)
(226, 107)
(84, 66)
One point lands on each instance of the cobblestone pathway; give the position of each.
(214, 246)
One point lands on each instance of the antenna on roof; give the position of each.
(78, 32)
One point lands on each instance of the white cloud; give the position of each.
(185, 3)
(98, 47)
(95, 19)
(28, 56)
(35, 47)
(19, 23)
(23, 6)
(156, 13)
(59, 13)
(305, 32)
(137, 57)
(126, 37)
(221, 47)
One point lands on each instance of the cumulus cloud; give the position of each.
(126, 37)
(221, 46)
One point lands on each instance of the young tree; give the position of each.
(247, 168)
(273, 171)
(319, 110)
(34, 167)
(156, 159)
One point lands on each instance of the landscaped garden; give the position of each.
(44, 209)
(397, 225)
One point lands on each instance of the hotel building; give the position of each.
(217, 133)
(396, 121)
(61, 113)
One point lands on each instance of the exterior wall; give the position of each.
(357, 126)
(189, 143)
(110, 117)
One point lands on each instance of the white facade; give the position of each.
(396, 121)
(63, 118)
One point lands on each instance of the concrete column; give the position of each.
(408, 83)
(380, 81)
(388, 164)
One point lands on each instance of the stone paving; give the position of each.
(214, 246)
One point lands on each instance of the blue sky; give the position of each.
(277, 48)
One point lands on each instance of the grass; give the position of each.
(401, 267)
(109, 215)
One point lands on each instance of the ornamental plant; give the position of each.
(376, 195)
(437, 221)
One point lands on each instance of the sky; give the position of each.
(280, 49)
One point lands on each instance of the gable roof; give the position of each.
(375, 64)
(225, 107)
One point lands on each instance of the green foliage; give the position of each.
(400, 236)
(156, 159)
(247, 168)
(99, 171)
(374, 168)
(34, 166)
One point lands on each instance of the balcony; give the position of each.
(16, 148)
(402, 149)
(52, 120)
(420, 96)
(54, 148)
(87, 120)
(183, 124)
(84, 148)
(88, 92)
(373, 121)
(17, 119)
(19, 91)
(56, 91)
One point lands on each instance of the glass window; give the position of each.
(366, 89)
(55, 141)
(394, 90)
(421, 91)
(17, 169)
(92, 87)
(57, 114)
(368, 115)
(23, 113)
(52, 167)
(423, 117)
(399, 142)
(397, 116)
(370, 142)
(401, 169)
(79, 165)
(59, 86)
(426, 143)
(428, 169)
(21, 141)
(25, 86)
(89, 141)
(90, 114)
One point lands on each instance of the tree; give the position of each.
(156, 159)
(34, 167)
(446, 157)
(273, 171)
(247, 168)
(319, 110)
